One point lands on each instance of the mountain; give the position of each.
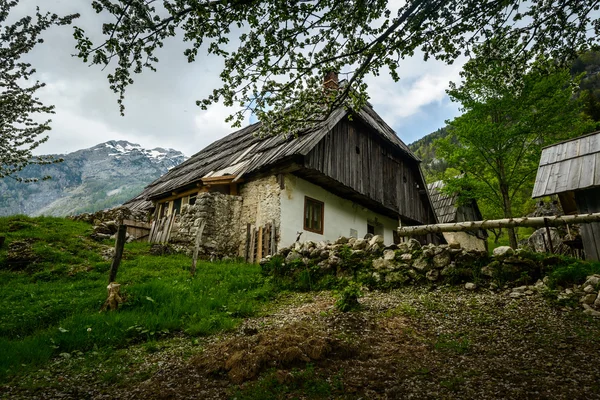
(88, 180)
(424, 148)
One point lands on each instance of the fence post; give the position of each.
(120, 243)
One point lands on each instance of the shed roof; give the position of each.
(243, 152)
(570, 165)
(443, 204)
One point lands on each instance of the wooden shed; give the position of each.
(571, 170)
(448, 210)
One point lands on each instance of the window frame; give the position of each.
(308, 200)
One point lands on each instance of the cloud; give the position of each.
(160, 106)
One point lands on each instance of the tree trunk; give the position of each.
(507, 208)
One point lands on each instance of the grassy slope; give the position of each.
(51, 307)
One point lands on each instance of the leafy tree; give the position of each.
(508, 117)
(588, 63)
(20, 129)
(275, 52)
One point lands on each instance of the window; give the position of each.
(371, 229)
(313, 215)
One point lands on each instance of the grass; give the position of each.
(50, 308)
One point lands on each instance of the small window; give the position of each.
(192, 200)
(313, 215)
(177, 206)
(371, 229)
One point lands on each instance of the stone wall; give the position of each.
(261, 205)
(221, 236)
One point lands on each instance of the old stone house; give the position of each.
(345, 177)
(448, 210)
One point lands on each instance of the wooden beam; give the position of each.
(534, 222)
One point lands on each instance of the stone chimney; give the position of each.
(331, 80)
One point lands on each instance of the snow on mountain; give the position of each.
(90, 179)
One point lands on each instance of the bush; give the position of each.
(348, 299)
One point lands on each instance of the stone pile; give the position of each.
(106, 222)
(381, 266)
(221, 236)
(20, 254)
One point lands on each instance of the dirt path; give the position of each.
(411, 343)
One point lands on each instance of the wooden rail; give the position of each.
(533, 222)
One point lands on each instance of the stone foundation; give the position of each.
(221, 236)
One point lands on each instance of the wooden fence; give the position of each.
(260, 241)
(139, 230)
(160, 231)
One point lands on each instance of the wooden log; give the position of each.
(197, 247)
(533, 222)
(273, 238)
(119, 245)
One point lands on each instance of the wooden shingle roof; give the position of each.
(243, 152)
(570, 165)
(443, 204)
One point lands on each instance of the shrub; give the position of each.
(348, 298)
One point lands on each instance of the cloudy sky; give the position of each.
(160, 106)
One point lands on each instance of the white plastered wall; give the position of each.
(340, 215)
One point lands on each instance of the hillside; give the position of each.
(233, 330)
(88, 180)
(424, 148)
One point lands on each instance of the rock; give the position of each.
(293, 256)
(588, 289)
(433, 275)
(454, 245)
(358, 253)
(488, 271)
(389, 255)
(377, 239)
(403, 248)
(382, 264)
(470, 286)
(503, 252)
(588, 299)
(520, 289)
(516, 295)
(20, 254)
(493, 286)
(413, 244)
(334, 261)
(360, 244)
(406, 257)
(376, 276)
(396, 277)
(590, 311)
(421, 264)
(412, 273)
(351, 241)
(529, 292)
(341, 240)
(368, 236)
(597, 302)
(442, 260)
(592, 280)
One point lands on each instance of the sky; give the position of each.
(160, 106)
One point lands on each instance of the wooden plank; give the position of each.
(588, 167)
(252, 242)
(136, 224)
(247, 244)
(259, 249)
(597, 170)
(273, 238)
(562, 177)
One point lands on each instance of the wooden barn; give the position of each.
(571, 170)
(448, 210)
(345, 177)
